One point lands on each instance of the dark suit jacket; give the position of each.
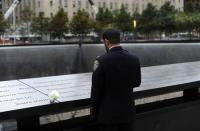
(112, 99)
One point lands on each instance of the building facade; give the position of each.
(50, 7)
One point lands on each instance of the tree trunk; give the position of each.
(190, 35)
(80, 40)
(160, 35)
(199, 35)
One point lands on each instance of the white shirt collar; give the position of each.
(114, 46)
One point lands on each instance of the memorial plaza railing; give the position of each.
(26, 100)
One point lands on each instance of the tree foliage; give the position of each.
(123, 20)
(104, 20)
(3, 24)
(26, 19)
(148, 20)
(105, 17)
(187, 22)
(190, 6)
(166, 18)
(81, 23)
(59, 24)
(40, 25)
(196, 20)
(135, 15)
(26, 14)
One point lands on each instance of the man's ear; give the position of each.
(107, 42)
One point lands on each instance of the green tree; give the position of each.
(189, 6)
(81, 24)
(104, 20)
(26, 18)
(197, 23)
(136, 15)
(3, 24)
(59, 24)
(166, 18)
(104, 17)
(26, 14)
(148, 20)
(40, 25)
(185, 22)
(123, 20)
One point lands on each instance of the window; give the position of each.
(66, 3)
(33, 5)
(133, 7)
(74, 4)
(29, 3)
(92, 14)
(126, 6)
(51, 3)
(87, 4)
(41, 13)
(116, 5)
(60, 4)
(79, 3)
(111, 5)
(143, 6)
(38, 3)
(25, 3)
(51, 14)
(99, 4)
(104, 4)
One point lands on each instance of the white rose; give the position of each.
(53, 96)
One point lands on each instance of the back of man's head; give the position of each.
(112, 35)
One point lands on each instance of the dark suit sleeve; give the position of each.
(138, 74)
(98, 84)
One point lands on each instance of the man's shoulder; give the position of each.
(98, 61)
(102, 57)
(132, 55)
(108, 56)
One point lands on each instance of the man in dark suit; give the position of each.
(115, 74)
